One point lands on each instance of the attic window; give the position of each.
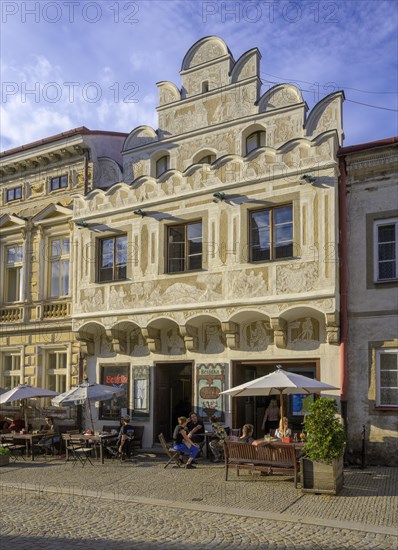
(254, 141)
(162, 165)
(14, 194)
(205, 86)
(60, 182)
(208, 159)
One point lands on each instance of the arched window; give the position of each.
(162, 165)
(207, 159)
(254, 141)
(205, 86)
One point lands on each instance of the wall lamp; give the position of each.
(219, 196)
(140, 212)
(308, 178)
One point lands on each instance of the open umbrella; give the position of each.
(279, 382)
(24, 392)
(86, 392)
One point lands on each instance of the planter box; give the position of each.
(317, 477)
(4, 460)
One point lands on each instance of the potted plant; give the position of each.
(325, 439)
(4, 456)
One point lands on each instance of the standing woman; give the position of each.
(183, 443)
(271, 417)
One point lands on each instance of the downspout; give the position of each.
(343, 289)
(86, 159)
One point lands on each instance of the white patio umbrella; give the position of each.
(22, 393)
(279, 382)
(86, 392)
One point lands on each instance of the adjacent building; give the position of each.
(38, 182)
(369, 174)
(216, 258)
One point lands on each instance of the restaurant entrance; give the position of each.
(173, 396)
(252, 409)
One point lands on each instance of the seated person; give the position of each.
(126, 434)
(247, 434)
(283, 430)
(3, 424)
(195, 428)
(17, 424)
(183, 443)
(52, 437)
(219, 435)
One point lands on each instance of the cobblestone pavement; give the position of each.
(53, 505)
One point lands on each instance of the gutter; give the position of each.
(343, 288)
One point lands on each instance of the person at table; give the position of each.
(247, 434)
(216, 444)
(271, 417)
(183, 444)
(17, 424)
(283, 430)
(51, 438)
(3, 424)
(195, 428)
(126, 434)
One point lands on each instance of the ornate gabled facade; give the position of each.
(216, 257)
(37, 184)
(370, 173)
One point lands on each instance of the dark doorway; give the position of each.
(173, 396)
(252, 409)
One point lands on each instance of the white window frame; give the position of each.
(376, 226)
(13, 373)
(57, 371)
(379, 353)
(16, 265)
(60, 258)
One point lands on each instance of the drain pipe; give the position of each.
(343, 289)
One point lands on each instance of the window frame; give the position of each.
(165, 159)
(260, 137)
(58, 371)
(379, 387)
(19, 266)
(207, 159)
(14, 374)
(376, 261)
(186, 244)
(13, 190)
(60, 258)
(59, 179)
(272, 256)
(114, 264)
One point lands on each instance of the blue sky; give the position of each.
(96, 63)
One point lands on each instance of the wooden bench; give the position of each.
(270, 459)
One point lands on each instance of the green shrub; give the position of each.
(4, 451)
(325, 434)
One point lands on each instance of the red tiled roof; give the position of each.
(364, 146)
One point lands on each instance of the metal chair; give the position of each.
(77, 451)
(15, 449)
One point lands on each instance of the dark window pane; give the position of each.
(386, 233)
(387, 270)
(18, 192)
(106, 274)
(64, 181)
(284, 251)
(176, 266)
(387, 251)
(121, 251)
(195, 262)
(389, 361)
(55, 183)
(389, 396)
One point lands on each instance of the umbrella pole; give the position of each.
(91, 414)
(282, 412)
(25, 413)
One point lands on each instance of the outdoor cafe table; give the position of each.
(102, 439)
(30, 440)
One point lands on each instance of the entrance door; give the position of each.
(173, 396)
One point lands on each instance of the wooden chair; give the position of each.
(171, 453)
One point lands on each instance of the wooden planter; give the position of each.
(4, 460)
(317, 477)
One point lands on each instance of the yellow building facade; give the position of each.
(37, 186)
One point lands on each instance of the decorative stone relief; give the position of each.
(243, 284)
(91, 299)
(279, 327)
(304, 333)
(257, 336)
(333, 328)
(296, 278)
(174, 342)
(212, 339)
(206, 52)
(138, 346)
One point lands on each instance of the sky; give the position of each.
(70, 63)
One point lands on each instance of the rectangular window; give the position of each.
(59, 182)
(57, 371)
(386, 250)
(13, 273)
(112, 265)
(118, 376)
(59, 251)
(184, 247)
(271, 233)
(387, 378)
(14, 194)
(12, 370)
